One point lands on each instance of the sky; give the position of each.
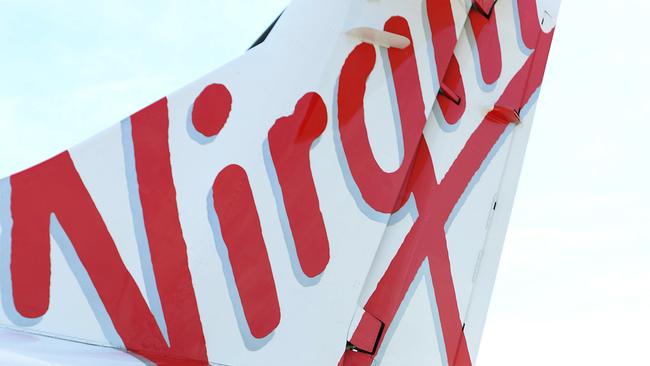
(574, 283)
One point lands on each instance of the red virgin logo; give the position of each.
(54, 189)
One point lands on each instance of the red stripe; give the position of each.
(55, 187)
(380, 189)
(453, 79)
(529, 22)
(443, 37)
(290, 141)
(242, 234)
(150, 128)
(486, 35)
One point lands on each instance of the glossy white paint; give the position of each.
(304, 52)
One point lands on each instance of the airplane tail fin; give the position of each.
(338, 194)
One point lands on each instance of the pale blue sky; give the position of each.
(574, 285)
(70, 68)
